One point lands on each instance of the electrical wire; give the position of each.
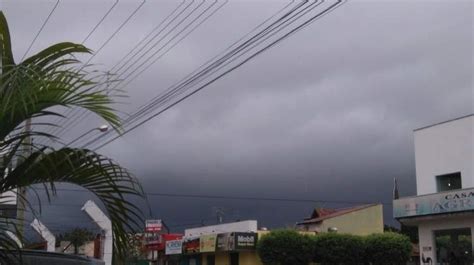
(227, 197)
(40, 30)
(172, 88)
(55, 130)
(85, 113)
(296, 29)
(156, 43)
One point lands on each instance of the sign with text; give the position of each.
(207, 243)
(174, 247)
(152, 240)
(245, 241)
(191, 245)
(153, 226)
(444, 202)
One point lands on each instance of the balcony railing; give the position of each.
(437, 203)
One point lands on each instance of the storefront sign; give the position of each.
(225, 242)
(191, 245)
(174, 247)
(445, 202)
(152, 226)
(207, 243)
(245, 241)
(152, 239)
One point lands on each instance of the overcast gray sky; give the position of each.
(326, 115)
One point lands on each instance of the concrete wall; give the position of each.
(442, 149)
(244, 226)
(427, 227)
(362, 222)
(245, 258)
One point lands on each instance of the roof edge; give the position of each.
(354, 209)
(443, 122)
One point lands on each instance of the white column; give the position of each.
(15, 238)
(427, 243)
(105, 224)
(44, 232)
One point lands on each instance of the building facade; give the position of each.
(443, 209)
(223, 244)
(358, 220)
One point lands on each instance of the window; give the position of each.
(454, 247)
(450, 181)
(211, 260)
(234, 258)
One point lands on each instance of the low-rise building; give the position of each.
(443, 209)
(222, 244)
(358, 220)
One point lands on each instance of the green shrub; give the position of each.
(285, 247)
(331, 248)
(388, 249)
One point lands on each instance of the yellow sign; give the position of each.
(207, 243)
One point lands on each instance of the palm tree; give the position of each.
(28, 91)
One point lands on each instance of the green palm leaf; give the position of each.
(30, 90)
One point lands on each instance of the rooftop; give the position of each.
(321, 214)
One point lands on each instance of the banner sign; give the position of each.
(207, 243)
(224, 242)
(445, 202)
(191, 245)
(174, 247)
(152, 239)
(153, 226)
(245, 241)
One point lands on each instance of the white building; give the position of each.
(242, 226)
(443, 209)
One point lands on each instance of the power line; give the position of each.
(100, 21)
(192, 77)
(86, 38)
(85, 113)
(55, 130)
(40, 30)
(206, 72)
(168, 95)
(227, 197)
(296, 29)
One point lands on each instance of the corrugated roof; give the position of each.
(322, 214)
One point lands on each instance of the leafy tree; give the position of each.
(285, 247)
(34, 89)
(77, 237)
(332, 248)
(388, 249)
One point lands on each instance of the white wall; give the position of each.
(442, 149)
(244, 226)
(426, 232)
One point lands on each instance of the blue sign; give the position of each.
(445, 202)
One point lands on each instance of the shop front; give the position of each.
(236, 248)
(445, 224)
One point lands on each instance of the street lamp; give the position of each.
(102, 128)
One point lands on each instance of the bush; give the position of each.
(388, 249)
(285, 247)
(330, 248)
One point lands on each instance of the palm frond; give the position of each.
(29, 90)
(112, 184)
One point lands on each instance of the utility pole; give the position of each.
(21, 193)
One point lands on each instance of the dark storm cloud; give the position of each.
(327, 114)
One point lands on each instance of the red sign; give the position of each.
(191, 245)
(153, 226)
